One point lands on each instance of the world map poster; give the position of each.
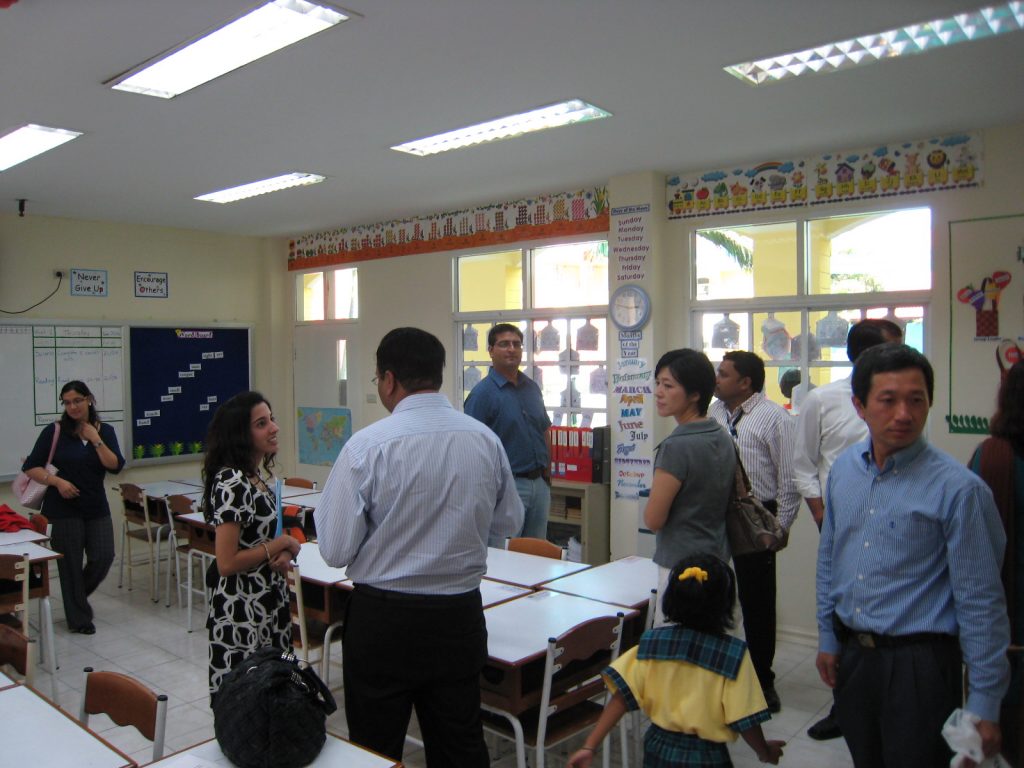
(322, 433)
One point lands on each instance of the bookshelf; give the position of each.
(580, 510)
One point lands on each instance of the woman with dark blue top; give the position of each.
(75, 501)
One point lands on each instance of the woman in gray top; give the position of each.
(694, 467)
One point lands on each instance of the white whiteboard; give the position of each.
(36, 360)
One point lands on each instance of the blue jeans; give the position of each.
(536, 497)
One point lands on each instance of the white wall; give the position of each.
(212, 279)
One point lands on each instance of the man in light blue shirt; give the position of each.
(409, 507)
(908, 579)
(510, 403)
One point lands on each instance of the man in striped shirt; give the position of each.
(409, 507)
(764, 433)
(908, 579)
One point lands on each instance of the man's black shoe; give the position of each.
(825, 729)
(771, 697)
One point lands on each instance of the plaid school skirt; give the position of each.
(671, 749)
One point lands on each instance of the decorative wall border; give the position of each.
(557, 215)
(886, 170)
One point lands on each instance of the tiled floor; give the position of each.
(149, 641)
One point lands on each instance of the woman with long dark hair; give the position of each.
(999, 461)
(249, 606)
(75, 502)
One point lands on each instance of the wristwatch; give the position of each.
(97, 444)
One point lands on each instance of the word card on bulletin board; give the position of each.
(179, 377)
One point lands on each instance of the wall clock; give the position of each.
(630, 307)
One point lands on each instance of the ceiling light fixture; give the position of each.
(252, 189)
(542, 118)
(30, 140)
(904, 41)
(259, 33)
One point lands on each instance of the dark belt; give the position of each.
(413, 597)
(845, 634)
(533, 474)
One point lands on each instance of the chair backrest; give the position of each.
(540, 547)
(652, 609)
(16, 650)
(134, 503)
(566, 686)
(126, 701)
(300, 482)
(40, 523)
(16, 568)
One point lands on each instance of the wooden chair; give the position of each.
(539, 547)
(40, 523)
(126, 701)
(138, 525)
(16, 650)
(566, 705)
(182, 505)
(300, 482)
(308, 633)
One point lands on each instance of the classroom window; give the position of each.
(558, 296)
(790, 291)
(328, 295)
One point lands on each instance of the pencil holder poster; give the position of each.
(987, 313)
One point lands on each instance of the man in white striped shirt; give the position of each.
(763, 432)
(408, 508)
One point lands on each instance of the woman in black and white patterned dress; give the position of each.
(249, 607)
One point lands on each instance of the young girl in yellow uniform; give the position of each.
(695, 682)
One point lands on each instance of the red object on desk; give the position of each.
(11, 521)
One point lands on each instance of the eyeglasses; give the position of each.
(507, 344)
(76, 401)
(375, 380)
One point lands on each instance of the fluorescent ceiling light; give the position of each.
(905, 41)
(551, 116)
(31, 140)
(269, 28)
(255, 188)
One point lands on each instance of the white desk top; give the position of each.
(195, 518)
(25, 534)
(35, 552)
(520, 628)
(6, 680)
(291, 491)
(309, 499)
(336, 751)
(313, 568)
(34, 732)
(494, 592)
(527, 570)
(196, 481)
(160, 488)
(626, 582)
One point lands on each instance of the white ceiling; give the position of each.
(408, 68)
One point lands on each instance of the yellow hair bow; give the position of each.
(693, 572)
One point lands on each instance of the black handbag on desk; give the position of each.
(271, 712)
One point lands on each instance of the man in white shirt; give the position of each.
(763, 432)
(827, 425)
(409, 507)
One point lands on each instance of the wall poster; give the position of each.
(986, 268)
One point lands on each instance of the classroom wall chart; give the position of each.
(986, 268)
(179, 377)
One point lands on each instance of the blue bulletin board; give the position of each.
(179, 377)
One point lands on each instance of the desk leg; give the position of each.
(51, 646)
(154, 567)
(188, 561)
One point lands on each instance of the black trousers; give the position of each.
(755, 583)
(88, 549)
(404, 651)
(893, 701)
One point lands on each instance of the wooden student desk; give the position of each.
(517, 639)
(33, 732)
(495, 592)
(39, 589)
(336, 752)
(524, 570)
(22, 536)
(325, 589)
